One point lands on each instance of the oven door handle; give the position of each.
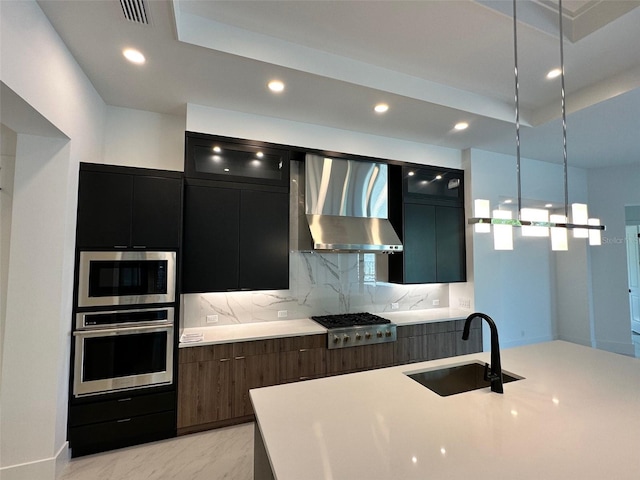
(115, 331)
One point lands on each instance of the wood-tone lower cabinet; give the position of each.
(354, 359)
(255, 365)
(302, 358)
(214, 380)
(205, 385)
(431, 341)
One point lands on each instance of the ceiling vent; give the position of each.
(135, 11)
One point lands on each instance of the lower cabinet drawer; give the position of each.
(125, 407)
(124, 432)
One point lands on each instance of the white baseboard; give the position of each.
(44, 469)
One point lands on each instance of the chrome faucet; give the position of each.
(495, 377)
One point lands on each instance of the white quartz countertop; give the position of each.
(293, 328)
(575, 415)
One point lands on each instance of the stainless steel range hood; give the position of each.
(346, 206)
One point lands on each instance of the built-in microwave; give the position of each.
(123, 350)
(109, 278)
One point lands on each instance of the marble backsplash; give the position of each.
(320, 284)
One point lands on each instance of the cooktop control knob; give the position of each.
(388, 333)
(367, 335)
(345, 338)
(379, 334)
(358, 336)
(336, 339)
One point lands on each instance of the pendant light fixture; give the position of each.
(534, 221)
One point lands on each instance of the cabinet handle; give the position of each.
(123, 420)
(240, 358)
(119, 246)
(125, 399)
(303, 350)
(139, 246)
(225, 359)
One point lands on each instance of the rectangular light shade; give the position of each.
(595, 236)
(502, 234)
(534, 215)
(579, 216)
(559, 241)
(482, 209)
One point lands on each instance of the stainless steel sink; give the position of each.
(456, 379)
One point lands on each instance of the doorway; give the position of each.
(632, 218)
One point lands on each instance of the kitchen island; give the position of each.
(574, 415)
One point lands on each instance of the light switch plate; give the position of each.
(212, 318)
(282, 314)
(435, 303)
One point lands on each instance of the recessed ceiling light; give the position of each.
(508, 201)
(217, 149)
(133, 55)
(438, 177)
(411, 174)
(276, 86)
(548, 205)
(554, 73)
(461, 126)
(259, 154)
(381, 107)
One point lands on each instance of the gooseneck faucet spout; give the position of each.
(495, 377)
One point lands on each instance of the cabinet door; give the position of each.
(450, 245)
(204, 392)
(104, 210)
(264, 240)
(211, 239)
(157, 207)
(253, 371)
(419, 243)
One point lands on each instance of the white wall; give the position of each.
(610, 190)
(35, 365)
(269, 129)
(518, 288)
(136, 138)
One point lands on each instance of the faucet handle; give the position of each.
(490, 377)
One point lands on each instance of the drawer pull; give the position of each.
(125, 399)
(240, 358)
(225, 359)
(124, 420)
(303, 350)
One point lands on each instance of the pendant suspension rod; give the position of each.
(515, 57)
(564, 115)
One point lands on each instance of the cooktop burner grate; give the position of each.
(349, 320)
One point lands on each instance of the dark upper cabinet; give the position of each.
(121, 207)
(226, 159)
(235, 239)
(264, 240)
(211, 239)
(426, 207)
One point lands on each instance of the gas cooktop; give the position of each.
(354, 329)
(349, 320)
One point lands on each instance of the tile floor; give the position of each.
(225, 453)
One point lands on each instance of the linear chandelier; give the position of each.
(537, 222)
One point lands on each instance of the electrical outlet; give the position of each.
(282, 314)
(435, 303)
(464, 302)
(395, 306)
(212, 318)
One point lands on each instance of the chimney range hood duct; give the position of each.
(346, 206)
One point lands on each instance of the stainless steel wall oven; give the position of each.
(126, 278)
(123, 350)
